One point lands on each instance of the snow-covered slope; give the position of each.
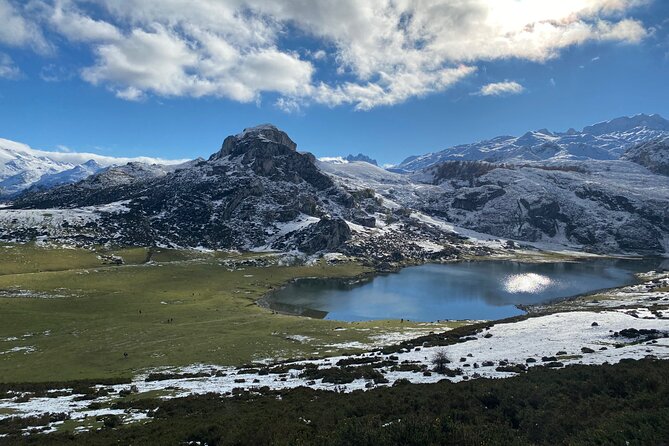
(22, 167)
(603, 141)
(604, 206)
(77, 173)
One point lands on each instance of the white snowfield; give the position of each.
(555, 339)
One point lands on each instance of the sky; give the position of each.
(389, 78)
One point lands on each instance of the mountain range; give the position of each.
(22, 167)
(604, 189)
(602, 141)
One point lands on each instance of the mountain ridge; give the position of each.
(605, 140)
(22, 167)
(257, 192)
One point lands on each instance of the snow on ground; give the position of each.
(582, 337)
(35, 218)
(24, 350)
(655, 291)
(281, 229)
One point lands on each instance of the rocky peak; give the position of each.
(270, 152)
(91, 164)
(252, 137)
(361, 157)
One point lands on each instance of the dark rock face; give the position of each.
(653, 155)
(543, 214)
(326, 235)
(475, 198)
(612, 202)
(363, 219)
(462, 170)
(639, 236)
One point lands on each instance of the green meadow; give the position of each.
(67, 315)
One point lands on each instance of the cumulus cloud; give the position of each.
(18, 30)
(378, 52)
(501, 89)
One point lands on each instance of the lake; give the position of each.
(464, 290)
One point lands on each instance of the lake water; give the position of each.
(466, 290)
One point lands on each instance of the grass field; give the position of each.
(64, 315)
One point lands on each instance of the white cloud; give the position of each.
(501, 89)
(390, 89)
(18, 30)
(8, 70)
(380, 52)
(319, 55)
(288, 105)
(55, 73)
(161, 61)
(81, 28)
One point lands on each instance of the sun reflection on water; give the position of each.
(526, 283)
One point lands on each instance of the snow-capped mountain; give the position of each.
(22, 167)
(603, 141)
(259, 192)
(19, 169)
(77, 173)
(256, 192)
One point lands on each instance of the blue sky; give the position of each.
(390, 79)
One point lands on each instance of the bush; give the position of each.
(439, 361)
(585, 405)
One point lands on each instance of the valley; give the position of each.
(262, 271)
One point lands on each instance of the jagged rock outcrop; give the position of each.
(361, 157)
(476, 197)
